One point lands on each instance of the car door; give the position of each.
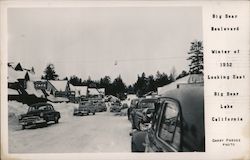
(167, 134)
(50, 113)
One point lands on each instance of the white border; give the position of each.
(61, 4)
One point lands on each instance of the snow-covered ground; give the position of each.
(103, 132)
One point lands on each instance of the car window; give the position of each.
(43, 108)
(49, 107)
(170, 129)
(147, 105)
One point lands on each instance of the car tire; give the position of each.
(94, 113)
(45, 124)
(23, 127)
(56, 119)
(137, 142)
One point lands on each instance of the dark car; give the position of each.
(85, 108)
(115, 107)
(39, 114)
(177, 123)
(137, 112)
(133, 104)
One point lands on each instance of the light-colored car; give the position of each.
(85, 108)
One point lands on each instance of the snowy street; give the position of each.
(103, 132)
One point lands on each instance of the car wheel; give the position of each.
(137, 142)
(23, 127)
(45, 124)
(56, 119)
(135, 148)
(94, 113)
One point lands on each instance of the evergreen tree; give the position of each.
(50, 73)
(74, 80)
(196, 57)
(119, 88)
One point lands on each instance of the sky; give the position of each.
(101, 41)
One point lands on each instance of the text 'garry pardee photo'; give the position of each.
(105, 79)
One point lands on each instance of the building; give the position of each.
(21, 85)
(96, 93)
(80, 91)
(192, 78)
(58, 88)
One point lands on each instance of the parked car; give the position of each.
(85, 108)
(100, 106)
(177, 123)
(115, 107)
(39, 114)
(133, 104)
(137, 112)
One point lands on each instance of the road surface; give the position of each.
(103, 132)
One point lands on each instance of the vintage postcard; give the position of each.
(125, 80)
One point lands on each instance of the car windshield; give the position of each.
(150, 105)
(85, 103)
(41, 107)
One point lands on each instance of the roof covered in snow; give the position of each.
(93, 91)
(193, 78)
(31, 90)
(101, 90)
(60, 85)
(57, 99)
(79, 90)
(14, 75)
(12, 92)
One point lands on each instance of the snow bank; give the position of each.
(14, 110)
(66, 109)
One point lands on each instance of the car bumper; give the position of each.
(81, 112)
(26, 123)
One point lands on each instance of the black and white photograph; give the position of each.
(105, 79)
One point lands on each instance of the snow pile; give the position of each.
(66, 109)
(16, 108)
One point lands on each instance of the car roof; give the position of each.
(40, 104)
(191, 100)
(149, 100)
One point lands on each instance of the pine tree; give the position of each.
(50, 73)
(196, 57)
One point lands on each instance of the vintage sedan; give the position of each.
(115, 107)
(85, 108)
(133, 104)
(137, 112)
(100, 106)
(177, 123)
(39, 114)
